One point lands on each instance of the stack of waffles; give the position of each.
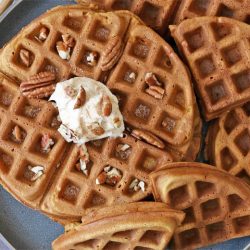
(155, 89)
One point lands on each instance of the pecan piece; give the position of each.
(110, 176)
(81, 98)
(46, 143)
(43, 34)
(91, 58)
(151, 79)
(25, 57)
(137, 185)
(68, 40)
(96, 129)
(17, 133)
(156, 91)
(105, 106)
(63, 50)
(112, 53)
(148, 137)
(39, 86)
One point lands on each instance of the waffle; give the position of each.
(170, 118)
(217, 51)
(63, 192)
(155, 13)
(228, 8)
(228, 142)
(216, 203)
(123, 227)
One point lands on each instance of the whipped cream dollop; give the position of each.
(88, 110)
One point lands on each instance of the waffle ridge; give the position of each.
(216, 49)
(214, 201)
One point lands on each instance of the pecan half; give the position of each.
(156, 91)
(104, 106)
(25, 57)
(112, 53)
(148, 137)
(39, 86)
(152, 80)
(81, 98)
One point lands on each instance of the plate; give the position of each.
(25, 228)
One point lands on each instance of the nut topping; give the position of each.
(71, 92)
(37, 172)
(91, 58)
(63, 50)
(112, 53)
(151, 80)
(68, 40)
(148, 137)
(105, 106)
(46, 143)
(137, 185)
(155, 91)
(40, 85)
(117, 122)
(82, 164)
(110, 176)
(81, 98)
(123, 151)
(25, 57)
(43, 34)
(17, 133)
(96, 129)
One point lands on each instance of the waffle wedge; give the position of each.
(152, 83)
(155, 13)
(217, 50)
(233, 9)
(131, 226)
(228, 142)
(216, 203)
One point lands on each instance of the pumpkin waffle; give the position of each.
(155, 13)
(238, 9)
(217, 50)
(123, 227)
(216, 203)
(153, 85)
(50, 179)
(228, 142)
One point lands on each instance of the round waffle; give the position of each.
(228, 142)
(123, 227)
(165, 109)
(216, 203)
(217, 50)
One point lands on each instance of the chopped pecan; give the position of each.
(39, 86)
(137, 185)
(156, 91)
(110, 176)
(148, 137)
(112, 53)
(68, 40)
(46, 143)
(104, 106)
(81, 98)
(91, 58)
(25, 57)
(17, 133)
(123, 151)
(43, 34)
(82, 164)
(63, 50)
(71, 92)
(151, 79)
(36, 171)
(96, 129)
(117, 122)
